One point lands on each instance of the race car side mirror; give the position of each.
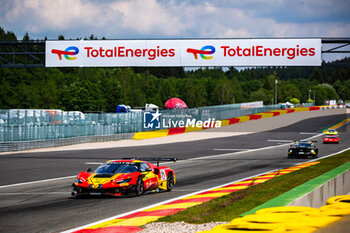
(89, 170)
(148, 169)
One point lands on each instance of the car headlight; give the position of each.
(79, 181)
(123, 181)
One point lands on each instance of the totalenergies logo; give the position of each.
(67, 53)
(206, 50)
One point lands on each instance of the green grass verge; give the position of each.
(225, 208)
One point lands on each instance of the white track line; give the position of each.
(326, 156)
(246, 151)
(179, 161)
(161, 203)
(38, 193)
(231, 149)
(187, 195)
(279, 140)
(38, 181)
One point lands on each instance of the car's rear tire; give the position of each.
(139, 187)
(170, 182)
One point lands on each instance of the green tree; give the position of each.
(223, 92)
(261, 95)
(166, 90)
(288, 91)
(324, 92)
(26, 37)
(294, 101)
(343, 89)
(270, 80)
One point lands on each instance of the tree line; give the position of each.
(102, 89)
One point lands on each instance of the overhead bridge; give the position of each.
(29, 54)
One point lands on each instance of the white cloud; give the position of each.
(163, 18)
(146, 18)
(231, 33)
(55, 15)
(326, 29)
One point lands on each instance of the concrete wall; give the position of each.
(30, 145)
(339, 185)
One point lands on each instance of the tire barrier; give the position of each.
(344, 199)
(289, 218)
(249, 227)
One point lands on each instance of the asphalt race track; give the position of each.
(47, 206)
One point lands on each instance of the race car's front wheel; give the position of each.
(139, 187)
(170, 182)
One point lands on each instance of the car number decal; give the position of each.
(162, 174)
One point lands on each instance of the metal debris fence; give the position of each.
(33, 125)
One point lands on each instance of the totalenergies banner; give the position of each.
(214, 52)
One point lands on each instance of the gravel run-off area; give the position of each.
(179, 227)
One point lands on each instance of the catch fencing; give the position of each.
(50, 127)
(34, 125)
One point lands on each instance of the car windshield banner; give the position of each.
(187, 53)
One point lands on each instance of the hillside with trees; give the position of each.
(97, 89)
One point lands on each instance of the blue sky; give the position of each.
(116, 19)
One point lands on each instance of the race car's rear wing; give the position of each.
(154, 159)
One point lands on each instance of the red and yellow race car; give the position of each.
(331, 139)
(126, 176)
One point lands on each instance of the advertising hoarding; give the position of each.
(187, 53)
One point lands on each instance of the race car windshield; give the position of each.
(303, 144)
(116, 168)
